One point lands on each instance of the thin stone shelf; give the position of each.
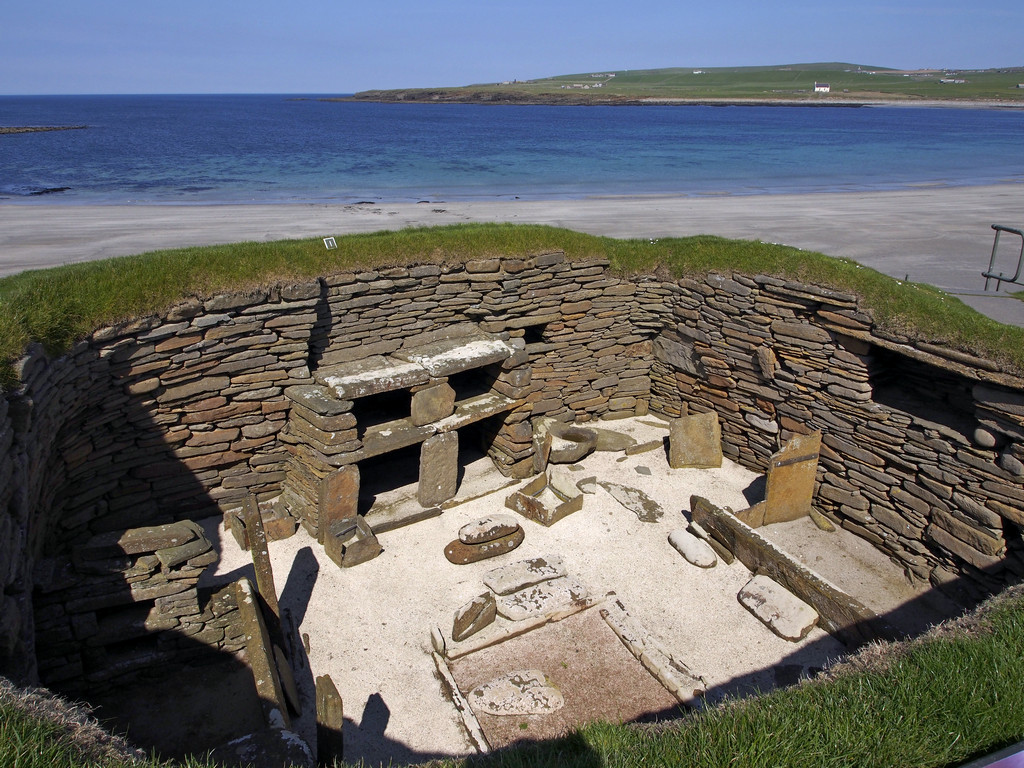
(413, 367)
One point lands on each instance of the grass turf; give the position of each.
(55, 307)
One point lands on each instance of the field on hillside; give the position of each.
(846, 81)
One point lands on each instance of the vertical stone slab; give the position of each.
(432, 404)
(541, 451)
(695, 442)
(339, 498)
(330, 721)
(791, 474)
(439, 469)
(260, 655)
(261, 561)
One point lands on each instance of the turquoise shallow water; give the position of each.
(259, 148)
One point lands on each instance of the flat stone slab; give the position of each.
(474, 409)
(523, 692)
(318, 399)
(636, 501)
(488, 529)
(695, 551)
(790, 479)
(462, 554)
(371, 376)
(612, 441)
(695, 442)
(450, 356)
(525, 573)
(780, 610)
(650, 445)
(439, 469)
(431, 404)
(474, 616)
(138, 540)
(542, 599)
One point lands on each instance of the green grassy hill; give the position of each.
(856, 83)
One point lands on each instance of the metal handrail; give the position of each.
(1000, 278)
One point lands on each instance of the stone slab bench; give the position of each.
(840, 614)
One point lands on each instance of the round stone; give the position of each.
(693, 549)
(984, 439)
(488, 529)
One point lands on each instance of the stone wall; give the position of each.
(179, 416)
(922, 446)
(126, 603)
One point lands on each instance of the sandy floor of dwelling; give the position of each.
(369, 626)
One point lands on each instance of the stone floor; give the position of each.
(369, 626)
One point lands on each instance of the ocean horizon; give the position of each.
(296, 148)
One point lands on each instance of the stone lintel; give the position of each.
(444, 358)
(371, 376)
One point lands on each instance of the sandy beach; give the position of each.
(938, 235)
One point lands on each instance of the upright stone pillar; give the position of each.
(339, 497)
(432, 403)
(695, 441)
(790, 482)
(330, 721)
(439, 469)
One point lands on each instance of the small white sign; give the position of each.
(330, 244)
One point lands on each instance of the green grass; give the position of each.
(776, 82)
(55, 307)
(937, 701)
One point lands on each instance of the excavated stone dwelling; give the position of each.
(290, 392)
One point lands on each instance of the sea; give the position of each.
(210, 149)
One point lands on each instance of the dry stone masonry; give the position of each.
(304, 396)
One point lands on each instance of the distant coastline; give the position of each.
(39, 128)
(461, 96)
(831, 84)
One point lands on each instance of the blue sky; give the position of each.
(335, 46)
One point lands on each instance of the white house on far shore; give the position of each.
(822, 87)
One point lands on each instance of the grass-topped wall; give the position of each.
(152, 389)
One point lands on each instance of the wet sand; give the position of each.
(937, 235)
